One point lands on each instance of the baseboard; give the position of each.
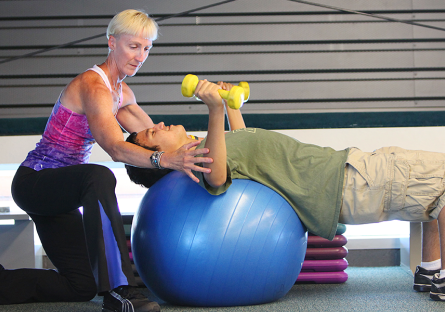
(373, 257)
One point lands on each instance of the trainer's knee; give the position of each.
(85, 296)
(84, 291)
(101, 175)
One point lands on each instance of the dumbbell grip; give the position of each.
(235, 97)
(224, 93)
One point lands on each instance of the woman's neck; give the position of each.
(113, 72)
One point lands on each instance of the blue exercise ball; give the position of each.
(190, 248)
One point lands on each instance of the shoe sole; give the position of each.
(108, 310)
(437, 297)
(422, 288)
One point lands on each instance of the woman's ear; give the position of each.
(112, 43)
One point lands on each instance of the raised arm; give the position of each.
(236, 120)
(215, 142)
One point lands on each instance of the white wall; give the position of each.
(423, 138)
(15, 148)
(129, 194)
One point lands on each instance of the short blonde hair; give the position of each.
(132, 22)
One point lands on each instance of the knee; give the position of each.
(84, 291)
(101, 176)
(85, 296)
(73, 285)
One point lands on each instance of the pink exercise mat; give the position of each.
(330, 253)
(319, 242)
(322, 278)
(324, 265)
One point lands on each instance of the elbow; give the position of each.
(115, 159)
(216, 185)
(216, 182)
(115, 155)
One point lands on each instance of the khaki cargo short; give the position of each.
(392, 184)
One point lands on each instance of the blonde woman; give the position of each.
(89, 250)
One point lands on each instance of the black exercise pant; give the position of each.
(89, 250)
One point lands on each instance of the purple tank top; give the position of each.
(67, 139)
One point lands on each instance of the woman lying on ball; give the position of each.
(323, 185)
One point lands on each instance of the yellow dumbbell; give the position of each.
(235, 97)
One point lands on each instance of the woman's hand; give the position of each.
(184, 160)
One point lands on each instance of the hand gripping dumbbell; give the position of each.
(235, 97)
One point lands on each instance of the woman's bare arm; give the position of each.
(97, 106)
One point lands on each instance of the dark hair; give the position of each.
(144, 176)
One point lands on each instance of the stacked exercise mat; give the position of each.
(325, 260)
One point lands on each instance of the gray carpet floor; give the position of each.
(367, 289)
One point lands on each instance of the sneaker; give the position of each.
(128, 299)
(423, 278)
(438, 288)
